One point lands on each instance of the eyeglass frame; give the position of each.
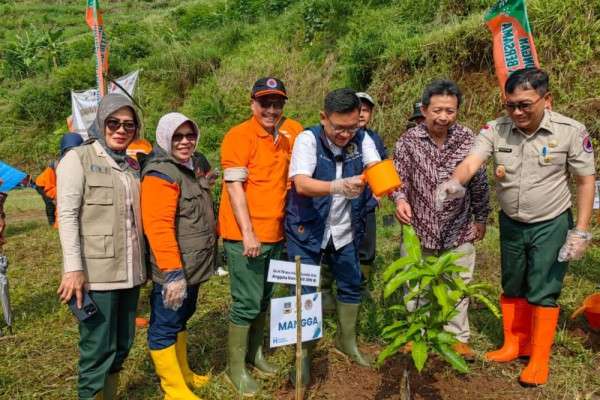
(527, 107)
(338, 131)
(120, 124)
(191, 137)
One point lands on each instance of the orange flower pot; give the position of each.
(591, 310)
(382, 178)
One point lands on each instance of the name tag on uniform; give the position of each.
(505, 149)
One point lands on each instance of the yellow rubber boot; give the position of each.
(191, 379)
(171, 379)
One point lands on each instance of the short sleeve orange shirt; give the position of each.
(267, 160)
(291, 129)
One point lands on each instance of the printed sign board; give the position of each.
(283, 319)
(285, 272)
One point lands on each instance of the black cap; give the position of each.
(268, 85)
(416, 112)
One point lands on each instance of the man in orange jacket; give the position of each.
(46, 182)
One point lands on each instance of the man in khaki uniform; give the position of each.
(534, 151)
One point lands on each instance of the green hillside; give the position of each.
(201, 57)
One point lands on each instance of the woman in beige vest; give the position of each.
(180, 227)
(101, 234)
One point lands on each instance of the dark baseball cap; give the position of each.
(268, 85)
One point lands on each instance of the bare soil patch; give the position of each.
(336, 378)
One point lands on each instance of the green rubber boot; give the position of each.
(237, 375)
(307, 351)
(327, 296)
(365, 278)
(255, 354)
(110, 386)
(345, 340)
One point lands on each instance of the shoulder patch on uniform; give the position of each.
(485, 128)
(587, 144)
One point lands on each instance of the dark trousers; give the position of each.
(106, 338)
(343, 263)
(529, 253)
(368, 244)
(165, 323)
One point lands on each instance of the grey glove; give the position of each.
(174, 290)
(575, 245)
(449, 190)
(350, 187)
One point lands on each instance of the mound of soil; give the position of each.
(333, 377)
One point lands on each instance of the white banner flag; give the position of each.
(84, 105)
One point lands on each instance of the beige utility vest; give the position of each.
(103, 221)
(194, 222)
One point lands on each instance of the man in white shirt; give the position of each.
(325, 213)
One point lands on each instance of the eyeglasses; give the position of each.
(338, 130)
(190, 136)
(524, 106)
(114, 125)
(265, 103)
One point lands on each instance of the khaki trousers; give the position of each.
(459, 325)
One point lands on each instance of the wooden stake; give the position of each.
(299, 386)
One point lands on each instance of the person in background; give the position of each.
(203, 169)
(424, 154)
(179, 224)
(255, 159)
(325, 211)
(45, 183)
(3, 197)
(416, 118)
(100, 228)
(368, 245)
(534, 150)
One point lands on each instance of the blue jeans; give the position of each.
(343, 263)
(165, 323)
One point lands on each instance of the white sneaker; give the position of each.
(221, 272)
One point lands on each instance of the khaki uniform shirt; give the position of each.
(531, 171)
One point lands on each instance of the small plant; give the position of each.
(435, 284)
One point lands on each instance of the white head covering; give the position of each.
(167, 126)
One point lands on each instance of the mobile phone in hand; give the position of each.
(88, 308)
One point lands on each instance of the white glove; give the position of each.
(350, 187)
(575, 245)
(174, 290)
(449, 190)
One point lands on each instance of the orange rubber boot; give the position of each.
(516, 321)
(544, 328)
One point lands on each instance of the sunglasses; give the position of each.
(114, 125)
(523, 106)
(178, 137)
(277, 104)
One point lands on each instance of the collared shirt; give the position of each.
(531, 171)
(304, 161)
(422, 165)
(251, 155)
